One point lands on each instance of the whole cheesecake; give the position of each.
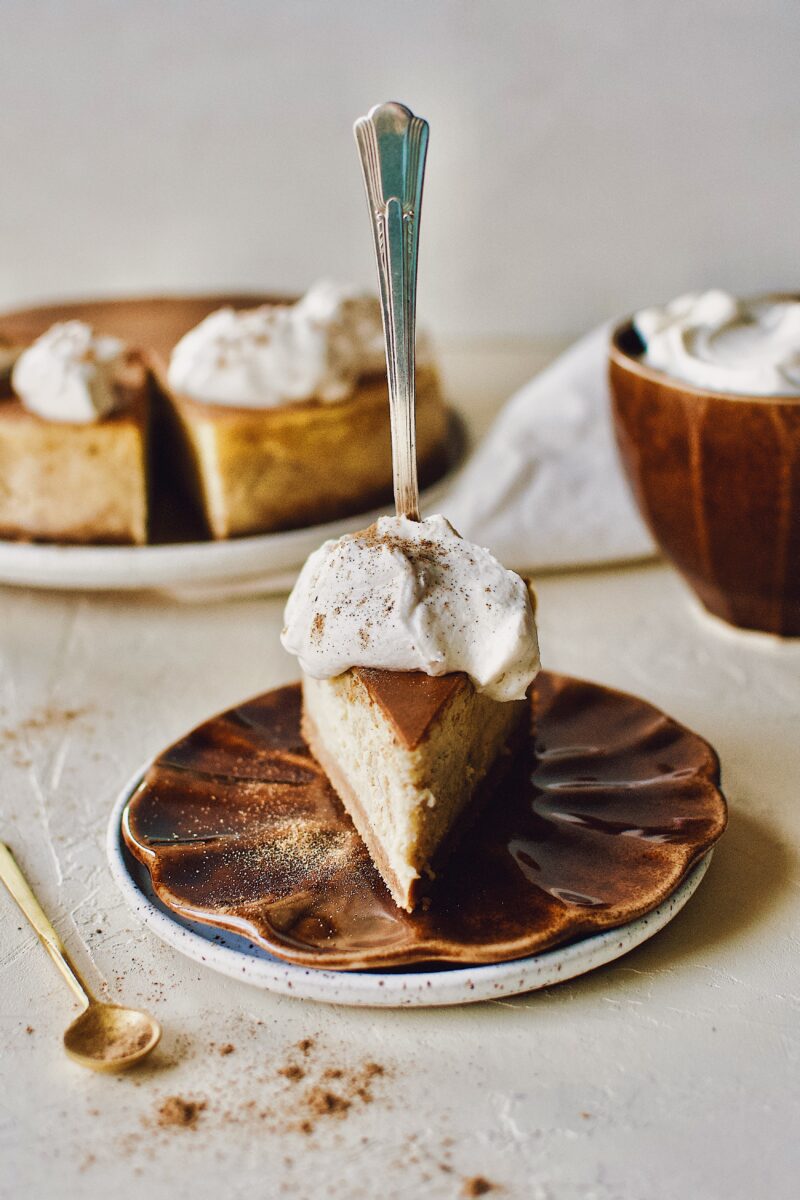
(249, 470)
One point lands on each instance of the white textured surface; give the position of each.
(673, 1072)
(585, 158)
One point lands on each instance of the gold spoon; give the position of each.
(105, 1037)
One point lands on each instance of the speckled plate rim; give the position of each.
(230, 954)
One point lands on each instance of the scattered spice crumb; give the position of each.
(319, 1092)
(333, 1090)
(175, 1111)
(477, 1185)
(228, 1048)
(29, 1029)
(323, 1103)
(40, 721)
(291, 1072)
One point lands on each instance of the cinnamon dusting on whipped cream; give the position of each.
(70, 374)
(413, 596)
(280, 354)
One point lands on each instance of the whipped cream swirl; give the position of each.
(282, 353)
(714, 341)
(413, 596)
(69, 373)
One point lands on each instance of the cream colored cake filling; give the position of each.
(414, 795)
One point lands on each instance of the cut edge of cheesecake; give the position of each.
(406, 753)
(250, 470)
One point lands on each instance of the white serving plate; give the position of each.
(238, 957)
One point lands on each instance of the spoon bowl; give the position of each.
(109, 1037)
(105, 1037)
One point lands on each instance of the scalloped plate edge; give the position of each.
(229, 954)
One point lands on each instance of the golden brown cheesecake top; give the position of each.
(411, 700)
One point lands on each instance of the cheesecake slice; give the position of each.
(406, 752)
(251, 470)
(85, 483)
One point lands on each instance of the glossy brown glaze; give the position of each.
(411, 700)
(717, 479)
(596, 825)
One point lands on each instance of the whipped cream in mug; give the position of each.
(714, 341)
(68, 374)
(282, 353)
(413, 596)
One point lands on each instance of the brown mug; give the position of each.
(717, 479)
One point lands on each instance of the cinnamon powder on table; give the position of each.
(334, 1091)
(314, 1089)
(175, 1111)
(478, 1185)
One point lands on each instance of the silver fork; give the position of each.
(392, 144)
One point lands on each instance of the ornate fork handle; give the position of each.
(392, 144)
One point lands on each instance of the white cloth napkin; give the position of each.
(545, 487)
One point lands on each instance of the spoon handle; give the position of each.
(20, 890)
(392, 144)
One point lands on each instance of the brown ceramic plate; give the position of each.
(240, 829)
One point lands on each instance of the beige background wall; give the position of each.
(586, 155)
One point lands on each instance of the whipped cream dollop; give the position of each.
(714, 341)
(413, 596)
(282, 353)
(68, 374)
